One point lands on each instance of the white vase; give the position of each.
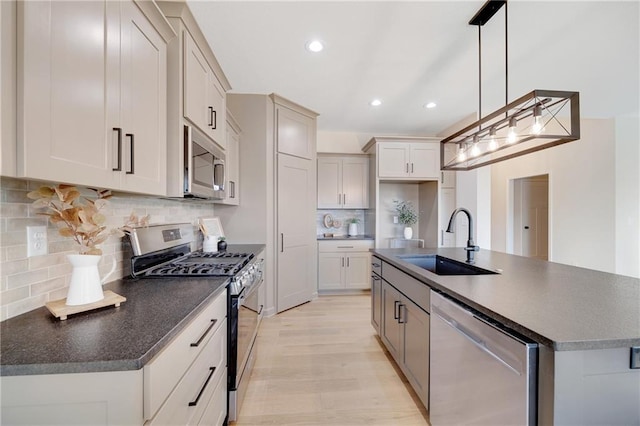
(210, 244)
(408, 232)
(353, 229)
(86, 285)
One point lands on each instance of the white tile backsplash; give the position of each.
(342, 216)
(29, 283)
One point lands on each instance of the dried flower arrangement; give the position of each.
(83, 222)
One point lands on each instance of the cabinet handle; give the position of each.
(339, 199)
(261, 308)
(344, 199)
(400, 306)
(345, 247)
(406, 167)
(373, 277)
(196, 344)
(210, 116)
(118, 130)
(342, 262)
(375, 265)
(214, 120)
(442, 236)
(130, 136)
(347, 262)
(194, 403)
(396, 314)
(281, 243)
(232, 186)
(441, 177)
(411, 167)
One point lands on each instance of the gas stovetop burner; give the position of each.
(202, 264)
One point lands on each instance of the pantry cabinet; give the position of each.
(204, 96)
(343, 182)
(92, 94)
(295, 132)
(344, 265)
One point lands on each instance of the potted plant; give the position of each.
(406, 216)
(85, 224)
(353, 226)
(222, 244)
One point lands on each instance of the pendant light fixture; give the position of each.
(538, 120)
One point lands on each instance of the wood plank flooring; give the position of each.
(322, 364)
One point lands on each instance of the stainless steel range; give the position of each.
(166, 251)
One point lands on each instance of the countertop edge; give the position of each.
(541, 339)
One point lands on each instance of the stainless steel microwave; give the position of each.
(204, 167)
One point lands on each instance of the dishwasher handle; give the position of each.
(472, 337)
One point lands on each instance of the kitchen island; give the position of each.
(585, 323)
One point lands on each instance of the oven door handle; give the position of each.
(196, 344)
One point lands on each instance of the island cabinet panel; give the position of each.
(110, 398)
(404, 327)
(92, 111)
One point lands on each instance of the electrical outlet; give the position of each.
(635, 357)
(395, 219)
(36, 240)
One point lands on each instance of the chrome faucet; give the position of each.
(471, 247)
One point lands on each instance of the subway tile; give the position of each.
(14, 252)
(13, 267)
(60, 269)
(26, 278)
(26, 305)
(15, 196)
(48, 286)
(13, 183)
(8, 210)
(23, 222)
(37, 262)
(14, 295)
(12, 238)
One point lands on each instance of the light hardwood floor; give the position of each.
(322, 364)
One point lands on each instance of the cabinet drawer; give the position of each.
(192, 395)
(345, 245)
(216, 411)
(415, 290)
(165, 370)
(376, 265)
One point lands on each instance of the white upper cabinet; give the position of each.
(343, 182)
(295, 129)
(204, 96)
(92, 98)
(406, 158)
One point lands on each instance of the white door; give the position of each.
(329, 183)
(425, 160)
(393, 160)
(296, 232)
(355, 183)
(532, 216)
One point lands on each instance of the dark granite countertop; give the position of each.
(109, 339)
(345, 237)
(560, 306)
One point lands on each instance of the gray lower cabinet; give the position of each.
(404, 327)
(376, 301)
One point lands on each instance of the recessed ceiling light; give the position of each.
(375, 102)
(315, 46)
(430, 105)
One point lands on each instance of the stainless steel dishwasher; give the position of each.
(481, 373)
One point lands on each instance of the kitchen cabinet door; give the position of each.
(204, 96)
(376, 302)
(331, 271)
(69, 96)
(93, 96)
(393, 160)
(392, 331)
(232, 162)
(424, 161)
(416, 348)
(295, 133)
(355, 183)
(357, 270)
(329, 183)
(143, 96)
(296, 269)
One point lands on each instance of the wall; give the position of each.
(28, 283)
(582, 197)
(341, 142)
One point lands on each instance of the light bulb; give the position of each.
(475, 149)
(462, 155)
(512, 136)
(493, 143)
(537, 126)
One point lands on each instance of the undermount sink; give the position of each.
(444, 266)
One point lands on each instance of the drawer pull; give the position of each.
(345, 246)
(375, 278)
(194, 403)
(196, 344)
(376, 265)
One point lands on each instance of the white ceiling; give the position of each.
(411, 53)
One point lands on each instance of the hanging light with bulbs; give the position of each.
(538, 120)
